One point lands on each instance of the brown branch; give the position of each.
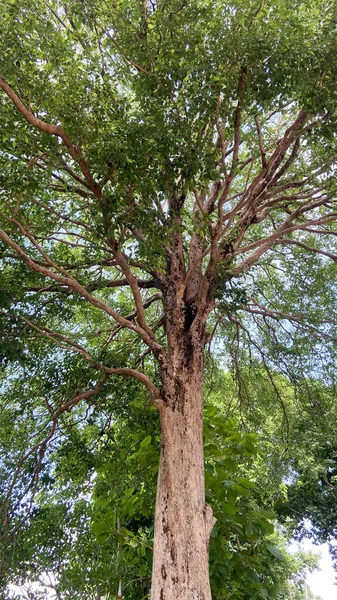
(142, 283)
(132, 281)
(66, 218)
(144, 379)
(40, 447)
(133, 315)
(198, 203)
(284, 229)
(225, 186)
(229, 178)
(55, 130)
(78, 288)
(289, 185)
(262, 150)
(217, 186)
(65, 167)
(309, 248)
(67, 189)
(284, 201)
(288, 162)
(31, 238)
(57, 337)
(262, 181)
(273, 314)
(252, 162)
(128, 59)
(146, 304)
(35, 161)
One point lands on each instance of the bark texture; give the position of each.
(183, 521)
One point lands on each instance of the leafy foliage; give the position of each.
(92, 524)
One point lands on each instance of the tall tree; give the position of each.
(158, 161)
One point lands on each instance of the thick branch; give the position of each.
(273, 314)
(78, 288)
(261, 146)
(309, 248)
(55, 130)
(264, 180)
(98, 285)
(133, 283)
(67, 343)
(144, 379)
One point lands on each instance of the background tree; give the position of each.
(163, 163)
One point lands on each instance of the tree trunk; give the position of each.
(183, 522)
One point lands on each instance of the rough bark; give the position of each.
(183, 521)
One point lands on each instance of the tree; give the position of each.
(175, 148)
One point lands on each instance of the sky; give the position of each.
(320, 582)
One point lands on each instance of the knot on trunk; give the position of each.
(210, 521)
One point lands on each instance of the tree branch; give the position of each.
(40, 447)
(78, 288)
(262, 150)
(144, 379)
(55, 130)
(67, 343)
(309, 248)
(133, 283)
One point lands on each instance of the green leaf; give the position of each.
(146, 442)
(275, 552)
